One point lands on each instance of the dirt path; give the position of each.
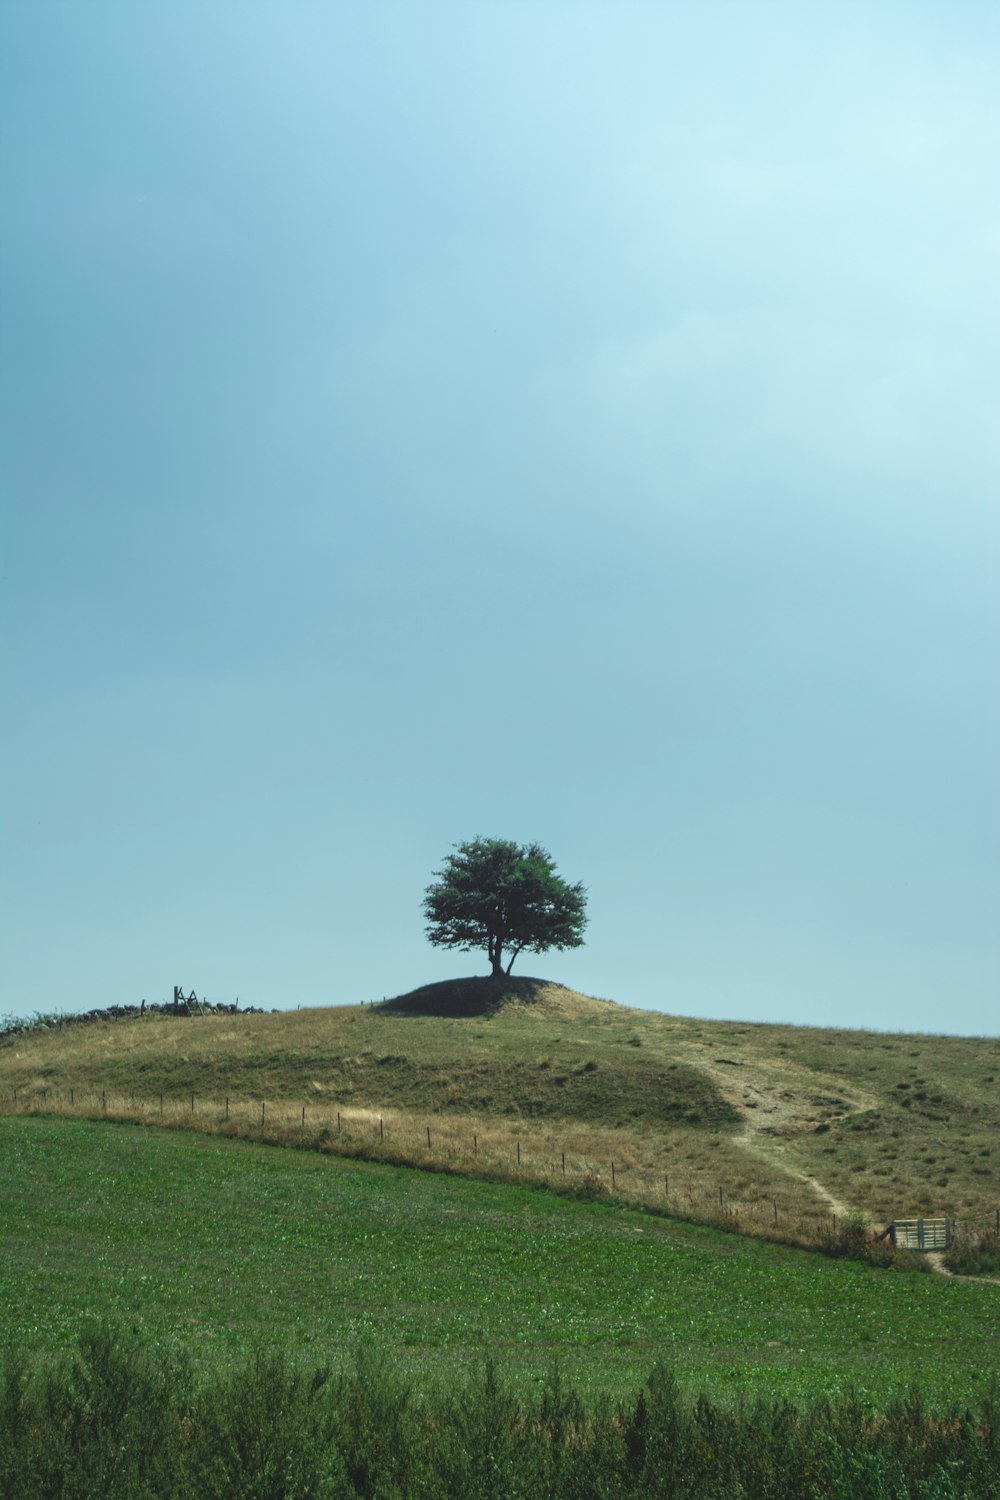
(750, 1141)
(765, 1110)
(936, 1259)
(770, 1109)
(842, 1210)
(837, 1206)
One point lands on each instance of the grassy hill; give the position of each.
(775, 1127)
(388, 1287)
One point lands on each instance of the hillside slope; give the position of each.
(767, 1122)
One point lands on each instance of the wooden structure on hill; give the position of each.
(190, 1001)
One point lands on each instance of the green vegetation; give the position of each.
(502, 897)
(117, 1419)
(223, 1244)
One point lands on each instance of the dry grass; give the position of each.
(688, 1173)
(793, 1124)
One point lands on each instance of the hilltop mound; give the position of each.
(486, 996)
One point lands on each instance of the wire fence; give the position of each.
(446, 1143)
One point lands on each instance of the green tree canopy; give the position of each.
(504, 897)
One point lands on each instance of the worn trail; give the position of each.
(770, 1109)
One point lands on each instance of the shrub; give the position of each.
(112, 1418)
(101, 1420)
(265, 1431)
(974, 1253)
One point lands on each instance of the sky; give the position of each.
(564, 422)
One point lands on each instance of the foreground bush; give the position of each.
(115, 1419)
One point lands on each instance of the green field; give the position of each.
(220, 1244)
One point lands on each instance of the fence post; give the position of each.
(564, 1163)
(519, 1153)
(381, 1129)
(612, 1174)
(161, 1104)
(666, 1186)
(192, 1104)
(227, 1106)
(262, 1111)
(303, 1115)
(428, 1137)
(71, 1092)
(722, 1199)
(475, 1145)
(338, 1121)
(775, 1210)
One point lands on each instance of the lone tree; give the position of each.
(504, 897)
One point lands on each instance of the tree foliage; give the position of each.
(504, 897)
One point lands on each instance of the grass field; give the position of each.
(218, 1244)
(532, 1081)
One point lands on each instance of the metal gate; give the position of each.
(921, 1234)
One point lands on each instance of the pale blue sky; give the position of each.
(565, 422)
